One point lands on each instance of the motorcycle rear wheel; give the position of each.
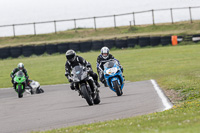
(97, 99)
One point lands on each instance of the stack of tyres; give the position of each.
(27, 50)
(97, 45)
(196, 38)
(110, 43)
(166, 40)
(15, 51)
(179, 39)
(39, 49)
(187, 38)
(131, 42)
(74, 46)
(155, 41)
(85, 46)
(51, 48)
(144, 41)
(4, 52)
(121, 43)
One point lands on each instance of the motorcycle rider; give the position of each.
(101, 60)
(20, 66)
(74, 60)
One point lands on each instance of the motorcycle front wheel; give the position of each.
(86, 95)
(20, 91)
(117, 88)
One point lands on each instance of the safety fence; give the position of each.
(93, 45)
(93, 21)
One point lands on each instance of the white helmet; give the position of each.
(20, 66)
(71, 55)
(105, 52)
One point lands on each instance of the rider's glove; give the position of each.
(88, 65)
(89, 69)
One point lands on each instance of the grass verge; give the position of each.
(179, 28)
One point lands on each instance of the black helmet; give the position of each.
(20, 66)
(105, 52)
(70, 55)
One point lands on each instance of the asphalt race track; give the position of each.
(60, 107)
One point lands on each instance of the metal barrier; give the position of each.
(171, 10)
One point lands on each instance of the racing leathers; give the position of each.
(100, 68)
(79, 61)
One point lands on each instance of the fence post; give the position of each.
(153, 17)
(55, 26)
(130, 24)
(75, 25)
(172, 15)
(13, 30)
(190, 14)
(34, 28)
(114, 21)
(95, 23)
(133, 18)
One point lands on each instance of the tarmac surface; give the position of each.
(59, 106)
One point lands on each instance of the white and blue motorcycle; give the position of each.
(113, 76)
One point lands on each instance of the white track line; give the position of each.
(164, 99)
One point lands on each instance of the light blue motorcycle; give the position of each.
(113, 76)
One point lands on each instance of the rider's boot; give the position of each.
(124, 78)
(104, 82)
(97, 83)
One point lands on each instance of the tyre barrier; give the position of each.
(131, 42)
(75, 46)
(196, 38)
(97, 45)
(27, 50)
(144, 41)
(51, 48)
(92, 45)
(4, 52)
(39, 49)
(110, 43)
(166, 40)
(121, 43)
(179, 39)
(155, 41)
(63, 47)
(85, 46)
(15, 51)
(187, 38)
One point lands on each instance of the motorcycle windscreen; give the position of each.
(109, 64)
(77, 71)
(20, 74)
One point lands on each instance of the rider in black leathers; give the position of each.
(20, 66)
(74, 60)
(101, 60)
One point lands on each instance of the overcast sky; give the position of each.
(22, 11)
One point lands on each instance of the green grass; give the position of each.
(173, 67)
(82, 34)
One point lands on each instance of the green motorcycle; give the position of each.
(20, 83)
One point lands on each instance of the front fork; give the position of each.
(16, 87)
